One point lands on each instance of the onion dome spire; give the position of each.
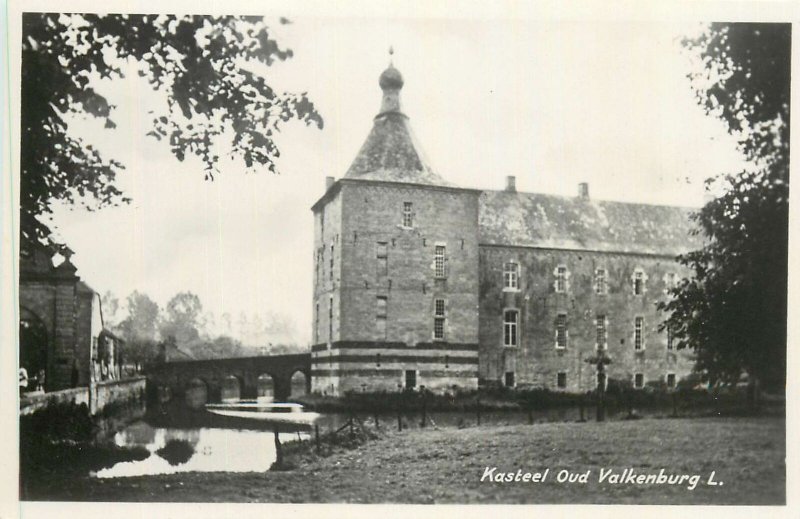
(391, 152)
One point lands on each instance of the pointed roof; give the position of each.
(391, 152)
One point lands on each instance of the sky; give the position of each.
(553, 104)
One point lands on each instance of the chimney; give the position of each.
(329, 182)
(583, 190)
(511, 184)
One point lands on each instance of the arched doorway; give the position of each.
(196, 393)
(266, 387)
(33, 349)
(231, 388)
(298, 384)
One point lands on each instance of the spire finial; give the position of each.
(391, 53)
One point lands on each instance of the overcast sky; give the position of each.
(554, 103)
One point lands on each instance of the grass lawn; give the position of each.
(446, 465)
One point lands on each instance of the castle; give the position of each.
(422, 284)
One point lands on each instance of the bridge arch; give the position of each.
(299, 383)
(265, 385)
(196, 393)
(231, 387)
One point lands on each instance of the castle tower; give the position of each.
(395, 301)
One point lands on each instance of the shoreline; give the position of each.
(445, 465)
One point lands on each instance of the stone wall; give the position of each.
(31, 403)
(372, 226)
(54, 303)
(101, 395)
(536, 361)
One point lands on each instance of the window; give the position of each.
(510, 322)
(638, 282)
(638, 381)
(331, 262)
(600, 283)
(408, 219)
(561, 331)
(438, 319)
(670, 345)
(330, 320)
(382, 255)
(316, 323)
(561, 278)
(411, 379)
(320, 262)
(439, 261)
(671, 380)
(511, 275)
(638, 335)
(600, 329)
(380, 316)
(509, 379)
(561, 380)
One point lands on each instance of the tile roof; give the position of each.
(391, 153)
(561, 222)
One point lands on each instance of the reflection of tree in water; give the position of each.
(176, 452)
(191, 436)
(136, 434)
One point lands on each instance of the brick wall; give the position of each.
(372, 213)
(536, 361)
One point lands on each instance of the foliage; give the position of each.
(176, 451)
(139, 328)
(205, 65)
(732, 311)
(183, 319)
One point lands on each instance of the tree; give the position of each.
(220, 347)
(205, 65)
(140, 328)
(732, 311)
(183, 319)
(110, 307)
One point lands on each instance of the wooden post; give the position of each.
(278, 450)
(377, 423)
(399, 421)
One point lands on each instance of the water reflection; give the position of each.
(213, 450)
(176, 452)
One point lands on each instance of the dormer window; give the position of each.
(408, 216)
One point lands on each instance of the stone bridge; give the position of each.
(278, 376)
